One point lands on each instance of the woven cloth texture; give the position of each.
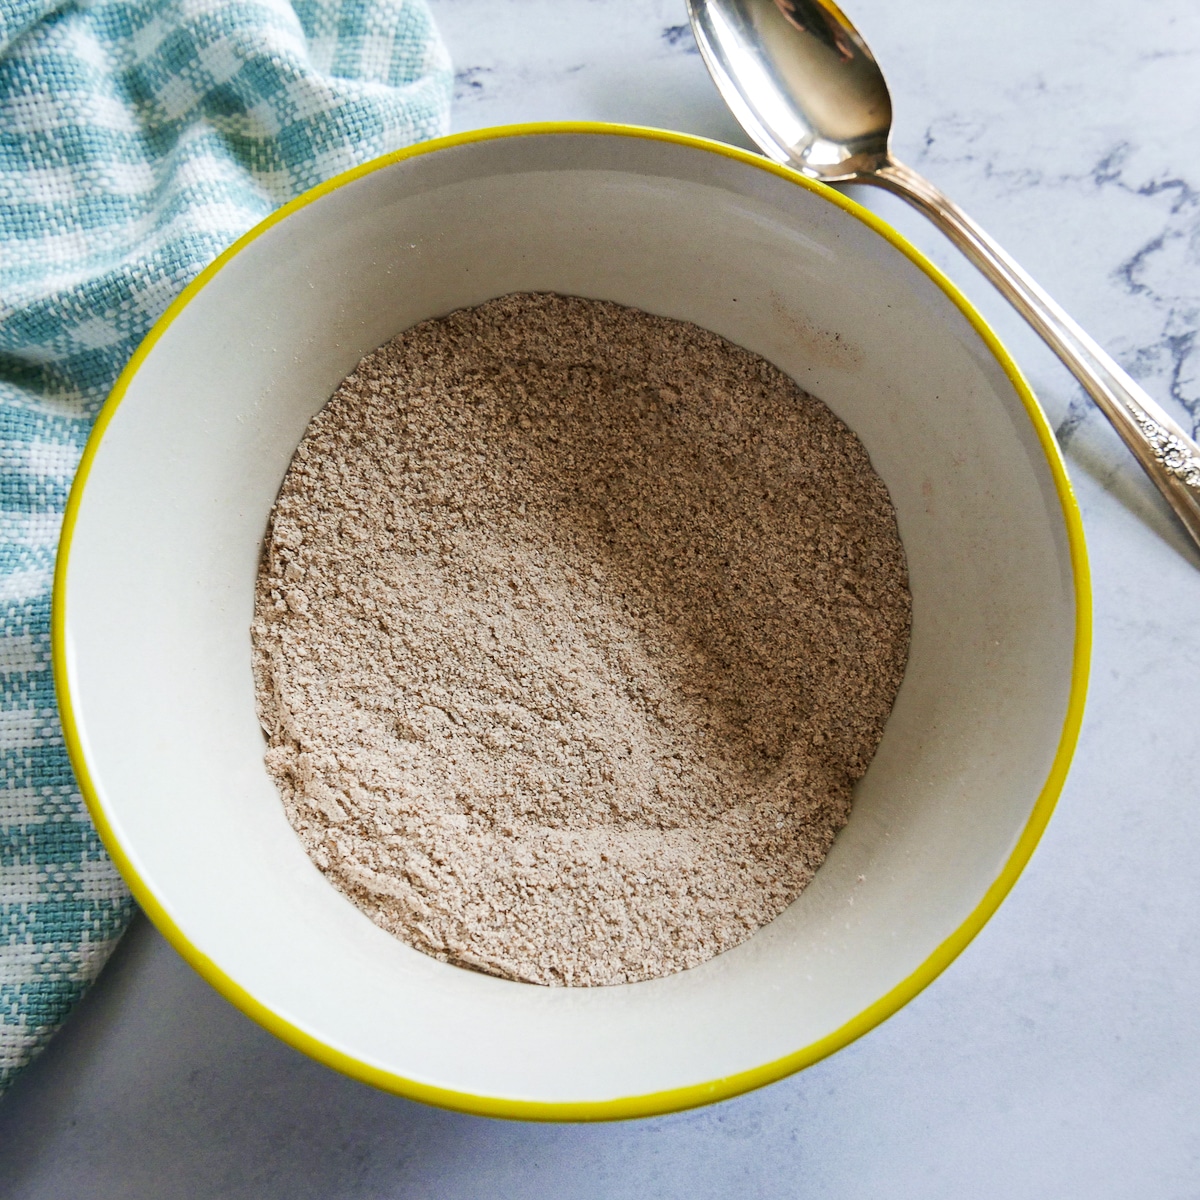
(137, 141)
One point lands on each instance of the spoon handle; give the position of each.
(1167, 453)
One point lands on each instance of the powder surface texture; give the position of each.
(574, 628)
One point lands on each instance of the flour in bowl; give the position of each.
(574, 628)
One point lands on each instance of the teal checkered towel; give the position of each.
(138, 138)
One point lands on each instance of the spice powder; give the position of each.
(574, 628)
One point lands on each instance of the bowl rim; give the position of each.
(673, 1099)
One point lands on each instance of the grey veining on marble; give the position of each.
(1059, 1056)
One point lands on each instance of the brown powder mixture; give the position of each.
(574, 628)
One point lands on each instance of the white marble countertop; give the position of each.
(1060, 1055)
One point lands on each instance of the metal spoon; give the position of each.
(804, 86)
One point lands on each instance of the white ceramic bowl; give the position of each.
(153, 604)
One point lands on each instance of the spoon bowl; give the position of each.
(801, 82)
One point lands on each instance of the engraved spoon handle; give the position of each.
(1167, 453)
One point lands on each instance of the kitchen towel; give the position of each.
(138, 139)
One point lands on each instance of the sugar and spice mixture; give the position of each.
(574, 628)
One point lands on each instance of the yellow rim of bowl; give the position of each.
(673, 1099)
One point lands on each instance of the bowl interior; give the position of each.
(158, 588)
